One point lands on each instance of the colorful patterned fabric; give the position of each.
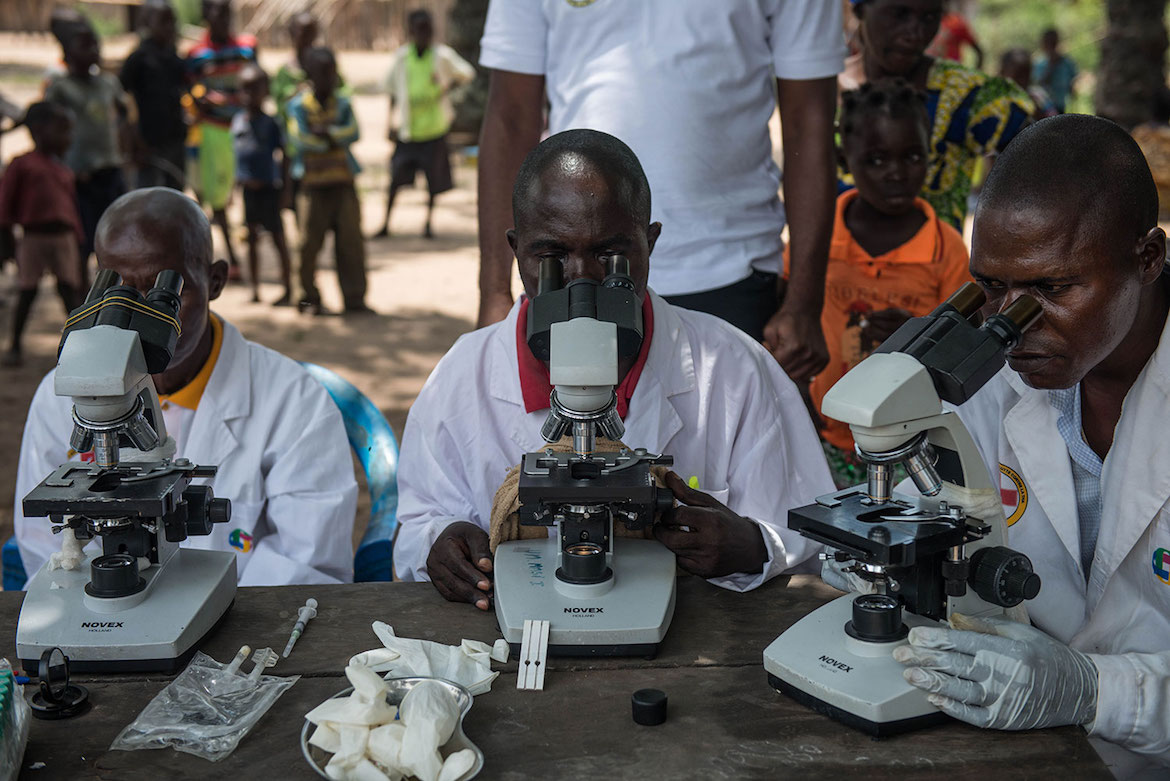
(972, 115)
(215, 68)
(322, 159)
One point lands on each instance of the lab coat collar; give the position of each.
(228, 397)
(669, 371)
(1030, 427)
(1135, 477)
(1135, 481)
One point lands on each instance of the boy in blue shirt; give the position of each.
(257, 138)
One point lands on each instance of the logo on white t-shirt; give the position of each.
(580, 3)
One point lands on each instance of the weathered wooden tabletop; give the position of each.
(725, 721)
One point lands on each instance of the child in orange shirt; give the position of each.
(891, 257)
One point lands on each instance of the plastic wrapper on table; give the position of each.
(14, 719)
(206, 711)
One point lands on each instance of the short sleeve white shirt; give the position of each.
(688, 84)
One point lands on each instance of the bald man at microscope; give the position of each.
(276, 436)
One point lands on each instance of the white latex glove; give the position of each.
(366, 705)
(468, 664)
(1002, 675)
(832, 572)
(456, 765)
(430, 713)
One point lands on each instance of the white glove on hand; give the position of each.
(833, 573)
(1003, 675)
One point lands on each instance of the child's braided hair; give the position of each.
(893, 98)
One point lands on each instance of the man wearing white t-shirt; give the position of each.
(688, 84)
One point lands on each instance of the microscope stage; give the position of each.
(628, 620)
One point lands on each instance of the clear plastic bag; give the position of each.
(206, 711)
(15, 715)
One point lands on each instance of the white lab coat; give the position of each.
(284, 462)
(1122, 617)
(708, 395)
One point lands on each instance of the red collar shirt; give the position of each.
(704, 393)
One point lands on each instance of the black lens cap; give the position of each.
(649, 707)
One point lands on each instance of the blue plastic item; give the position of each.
(14, 574)
(373, 441)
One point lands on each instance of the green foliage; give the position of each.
(107, 21)
(1007, 24)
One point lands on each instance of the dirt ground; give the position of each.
(424, 290)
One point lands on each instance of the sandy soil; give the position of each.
(424, 290)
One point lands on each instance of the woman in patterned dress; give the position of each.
(972, 115)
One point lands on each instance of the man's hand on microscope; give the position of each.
(460, 564)
(708, 538)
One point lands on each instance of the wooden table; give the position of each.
(725, 721)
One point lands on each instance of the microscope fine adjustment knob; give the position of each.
(1003, 576)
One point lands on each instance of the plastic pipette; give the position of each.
(304, 614)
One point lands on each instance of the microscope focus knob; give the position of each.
(1003, 576)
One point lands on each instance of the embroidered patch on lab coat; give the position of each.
(1162, 565)
(240, 540)
(1013, 494)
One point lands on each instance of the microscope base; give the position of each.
(157, 630)
(629, 620)
(854, 682)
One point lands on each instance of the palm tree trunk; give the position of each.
(1133, 60)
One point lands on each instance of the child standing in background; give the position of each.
(422, 75)
(891, 257)
(96, 101)
(37, 193)
(322, 126)
(156, 76)
(291, 79)
(257, 138)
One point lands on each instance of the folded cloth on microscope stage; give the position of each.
(505, 518)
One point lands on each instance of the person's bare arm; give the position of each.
(794, 334)
(511, 128)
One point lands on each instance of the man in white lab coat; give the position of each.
(1074, 430)
(700, 390)
(276, 436)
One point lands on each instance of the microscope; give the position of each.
(140, 603)
(923, 557)
(602, 595)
